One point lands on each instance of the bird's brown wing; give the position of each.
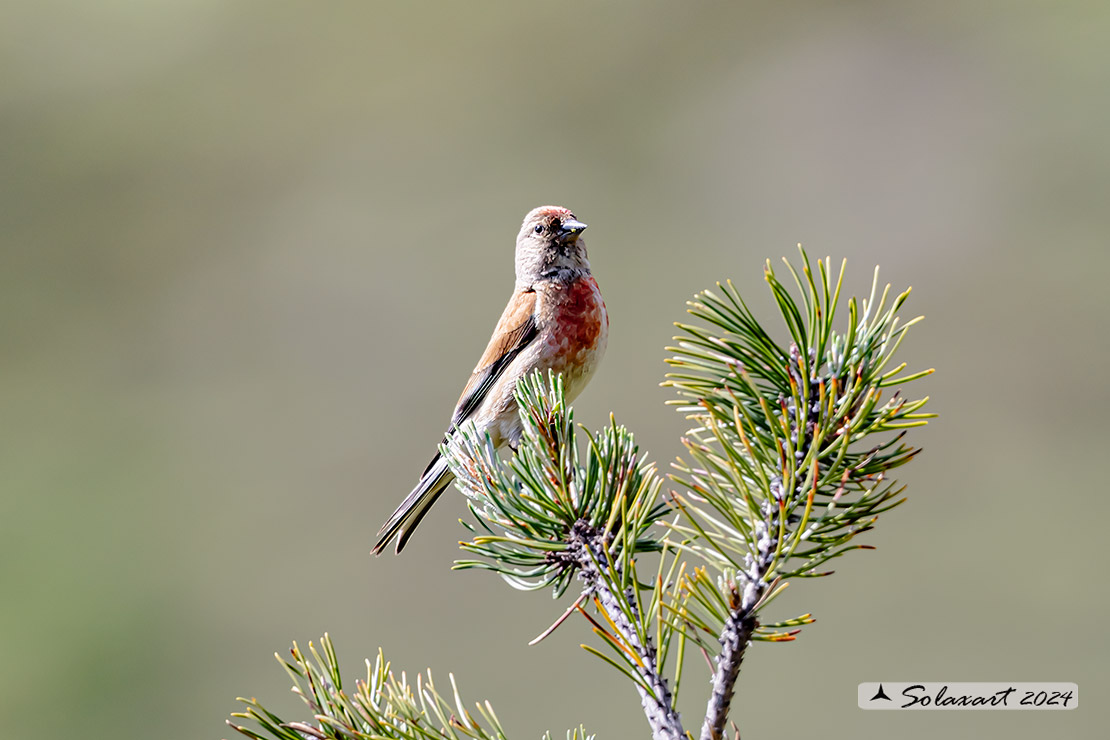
(514, 331)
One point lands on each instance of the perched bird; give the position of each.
(555, 320)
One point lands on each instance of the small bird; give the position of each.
(555, 320)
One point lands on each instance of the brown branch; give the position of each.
(588, 545)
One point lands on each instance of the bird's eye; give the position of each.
(539, 228)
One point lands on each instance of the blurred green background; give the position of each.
(251, 251)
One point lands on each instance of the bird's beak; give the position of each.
(571, 230)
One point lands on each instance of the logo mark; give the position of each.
(880, 694)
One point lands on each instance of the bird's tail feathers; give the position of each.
(404, 520)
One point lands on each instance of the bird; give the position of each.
(555, 320)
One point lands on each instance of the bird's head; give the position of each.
(550, 242)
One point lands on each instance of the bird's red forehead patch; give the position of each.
(554, 212)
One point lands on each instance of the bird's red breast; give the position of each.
(579, 329)
(582, 314)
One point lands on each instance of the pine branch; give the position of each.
(734, 640)
(382, 707)
(779, 481)
(526, 507)
(736, 632)
(547, 517)
(588, 546)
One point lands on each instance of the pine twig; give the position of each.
(588, 545)
(734, 640)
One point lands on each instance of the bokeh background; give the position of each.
(251, 251)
